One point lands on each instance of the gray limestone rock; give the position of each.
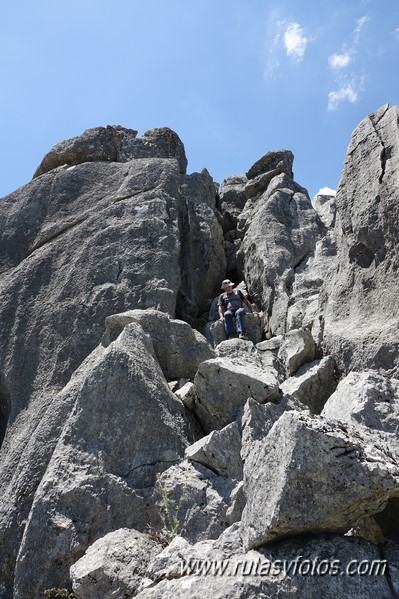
(256, 421)
(272, 344)
(360, 302)
(326, 208)
(232, 201)
(179, 348)
(316, 477)
(103, 469)
(224, 384)
(95, 446)
(312, 384)
(279, 228)
(265, 169)
(200, 503)
(114, 565)
(187, 394)
(327, 566)
(219, 451)
(114, 144)
(79, 243)
(297, 348)
(366, 398)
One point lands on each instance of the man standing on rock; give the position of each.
(230, 304)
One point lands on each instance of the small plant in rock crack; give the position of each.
(169, 515)
(58, 594)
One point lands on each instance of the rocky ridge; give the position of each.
(121, 424)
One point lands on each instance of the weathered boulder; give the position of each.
(179, 348)
(200, 504)
(360, 302)
(114, 564)
(224, 384)
(265, 169)
(316, 477)
(256, 421)
(366, 398)
(114, 144)
(219, 451)
(297, 348)
(312, 384)
(326, 208)
(187, 394)
(104, 467)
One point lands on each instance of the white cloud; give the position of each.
(326, 191)
(397, 32)
(346, 93)
(348, 84)
(358, 28)
(339, 61)
(295, 42)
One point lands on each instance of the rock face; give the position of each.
(132, 439)
(305, 468)
(360, 301)
(279, 230)
(78, 244)
(97, 482)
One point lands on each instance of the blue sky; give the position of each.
(234, 78)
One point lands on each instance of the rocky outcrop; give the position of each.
(360, 302)
(97, 482)
(114, 144)
(80, 243)
(131, 442)
(279, 230)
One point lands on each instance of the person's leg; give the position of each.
(228, 323)
(240, 320)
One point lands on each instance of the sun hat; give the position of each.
(226, 282)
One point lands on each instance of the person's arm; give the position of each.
(220, 311)
(249, 305)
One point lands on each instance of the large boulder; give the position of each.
(327, 566)
(297, 348)
(360, 301)
(104, 467)
(196, 502)
(114, 564)
(366, 398)
(316, 477)
(312, 384)
(232, 200)
(178, 348)
(224, 384)
(219, 451)
(114, 144)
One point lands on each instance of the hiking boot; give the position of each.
(242, 336)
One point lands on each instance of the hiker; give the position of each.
(230, 304)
